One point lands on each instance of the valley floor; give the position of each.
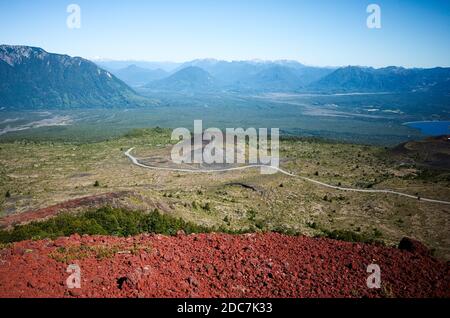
(35, 176)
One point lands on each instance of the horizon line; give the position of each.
(95, 59)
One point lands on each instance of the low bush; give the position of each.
(120, 222)
(351, 236)
(104, 221)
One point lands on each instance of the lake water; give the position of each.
(431, 128)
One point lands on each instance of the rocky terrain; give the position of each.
(218, 265)
(39, 180)
(56, 183)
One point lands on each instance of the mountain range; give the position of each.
(291, 76)
(248, 76)
(33, 78)
(137, 76)
(190, 78)
(388, 79)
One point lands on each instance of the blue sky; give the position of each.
(327, 32)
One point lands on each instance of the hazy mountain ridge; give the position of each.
(33, 78)
(239, 72)
(134, 75)
(191, 78)
(115, 65)
(275, 78)
(247, 76)
(30, 77)
(291, 76)
(387, 79)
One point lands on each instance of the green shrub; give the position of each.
(260, 224)
(207, 206)
(120, 222)
(282, 229)
(351, 236)
(311, 224)
(251, 214)
(104, 221)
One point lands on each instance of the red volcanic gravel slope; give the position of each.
(217, 265)
(89, 201)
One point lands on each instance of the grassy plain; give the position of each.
(37, 174)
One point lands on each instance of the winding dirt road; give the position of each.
(136, 162)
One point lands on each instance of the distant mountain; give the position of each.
(284, 78)
(189, 79)
(275, 78)
(311, 74)
(288, 63)
(225, 72)
(256, 75)
(137, 76)
(388, 79)
(243, 76)
(235, 72)
(33, 78)
(291, 76)
(117, 65)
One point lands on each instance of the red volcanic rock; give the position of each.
(220, 265)
(75, 292)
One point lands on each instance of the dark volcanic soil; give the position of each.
(217, 265)
(431, 152)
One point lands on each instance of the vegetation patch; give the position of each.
(4, 246)
(104, 221)
(351, 236)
